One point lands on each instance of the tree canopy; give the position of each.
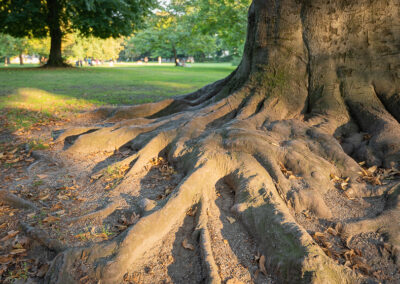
(192, 28)
(40, 18)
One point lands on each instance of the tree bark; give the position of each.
(316, 93)
(54, 22)
(6, 61)
(175, 55)
(21, 59)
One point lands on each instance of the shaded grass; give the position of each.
(35, 95)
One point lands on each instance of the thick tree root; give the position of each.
(316, 94)
(41, 236)
(15, 201)
(100, 214)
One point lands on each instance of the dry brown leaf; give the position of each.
(4, 259)
(62, 197)
(187, 245)
(45, 197)
(18, 251)
(57, 206)
(51, 219)
(231, 220)
(61, 212)
(319, 235)
(10, 235)
(102, 235)
(121, 227)
(339, 227)
(261, 264)
(2, 226)
(42, 176)
(372, 169)
(332, 231)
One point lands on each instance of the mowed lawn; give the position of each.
(33, 95)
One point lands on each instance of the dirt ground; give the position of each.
(78, 201)
(84, 201)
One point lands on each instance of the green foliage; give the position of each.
(103, 19)
(227, 19)
(55, 18)
(170, 32)
(76, 46)
(200, 28)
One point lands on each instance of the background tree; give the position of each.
(226, 19)
(170, 32)
(6, 47)
(56, 17)
(79, 47)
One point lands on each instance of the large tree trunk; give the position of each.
(316, 93)
(54, 22)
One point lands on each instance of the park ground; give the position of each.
(35, 103)
(30, 95)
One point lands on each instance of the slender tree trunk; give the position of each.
(175, 55)
(21, 59)
(54, 22)
(6, 61)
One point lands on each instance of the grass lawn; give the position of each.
(33, 95)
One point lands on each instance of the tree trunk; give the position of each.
(54, 22)
(176, 59)
(316, 93)
(6, 61)
(21, 59)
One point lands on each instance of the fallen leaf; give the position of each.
(372, 169)
(261, 264)
(45, 197)
(51, 219)
(42, 176)
(231, 220)
(332, 231)
(10, 235)
(61, 212)
(4, 259)
(57, 206)
(187, 245)
(18, 251)
(121, 227)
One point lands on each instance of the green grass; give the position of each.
(31, 95)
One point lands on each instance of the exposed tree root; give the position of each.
(41, 236)
(15, 201)
(287, 131)
(101, 213)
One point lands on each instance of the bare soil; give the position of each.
(66, 197)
